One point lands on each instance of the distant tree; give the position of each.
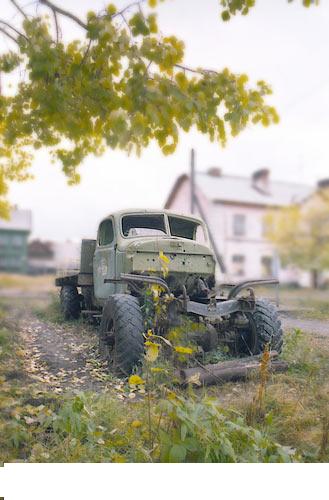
(121, 84)
(301, 234)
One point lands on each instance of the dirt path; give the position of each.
(60, 357)
(63, 357)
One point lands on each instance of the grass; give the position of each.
(50, 310)
(307, 303)
(26, 283)
(296, 404)
(197, 424)
(302, 302)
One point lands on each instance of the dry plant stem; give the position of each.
(257, 405)
(324, 438)
(303, 391)
(149, 405)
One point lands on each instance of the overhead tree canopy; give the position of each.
(232, 7)
(122, 84)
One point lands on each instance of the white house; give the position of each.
(234, 209)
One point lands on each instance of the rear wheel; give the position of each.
(121, 338)
(264, 330)
(70, 302)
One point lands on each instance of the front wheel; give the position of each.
(264, 330)
(121, 333)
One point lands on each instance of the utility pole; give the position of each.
(192, 181)
(196, 207)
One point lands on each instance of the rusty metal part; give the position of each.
(235, 290)
(219, 309)
(139, 278)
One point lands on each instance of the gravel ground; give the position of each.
(316, 326)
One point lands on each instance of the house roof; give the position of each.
(20, 220)
(234, 189)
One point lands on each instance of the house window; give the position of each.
(238, 265)
(4, 240)
(105, 234)
(239, 225)
(267, 266)
(17, 240)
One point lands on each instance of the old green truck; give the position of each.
(117, 267)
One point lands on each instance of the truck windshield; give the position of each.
(143, 225)
(184, 228)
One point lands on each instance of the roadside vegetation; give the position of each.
(304, 303)
(148, 418)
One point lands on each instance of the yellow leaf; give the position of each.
(136, 423)
(135, 380)
(156, 290)
(157, 370)
(118, 459)
(183, 350)
(194, 379)
(152, 351)
(171, 396)
(164, 258)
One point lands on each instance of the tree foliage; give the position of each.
(301, 232)
(232, 7)
(121, 84)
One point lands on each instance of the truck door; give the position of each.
(104, 259)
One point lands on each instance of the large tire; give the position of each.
(121, 333)
(265, 330)
(70, 302)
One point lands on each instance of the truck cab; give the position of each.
(130, 242)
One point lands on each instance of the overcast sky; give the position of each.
(284, 44)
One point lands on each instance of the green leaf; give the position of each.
(177, 453)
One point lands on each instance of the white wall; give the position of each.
(67, 255)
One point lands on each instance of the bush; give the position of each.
(202, 432)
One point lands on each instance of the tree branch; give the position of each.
(18, 8)
(14, 29)
(63, 12)
(56, 25)
(133, 4)
(198, 72)
(85, 55)
(8, 35)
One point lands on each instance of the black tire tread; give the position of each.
(268, 327)
(125, 312)
(70, 302)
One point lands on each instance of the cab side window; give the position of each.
(105, 233)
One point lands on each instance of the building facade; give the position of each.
(14, 241)
(235, 208)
